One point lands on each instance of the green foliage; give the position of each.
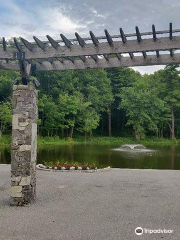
(143, 107)
(77, 99)
(87, 102)
(5, 116)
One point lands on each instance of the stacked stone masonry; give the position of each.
(24, 145)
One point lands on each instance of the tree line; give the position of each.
(111, 102)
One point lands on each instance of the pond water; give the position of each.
(161, 157)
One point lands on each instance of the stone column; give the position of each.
(24, 145)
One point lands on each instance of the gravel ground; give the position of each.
(94, 206)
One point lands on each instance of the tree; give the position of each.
(6, 79)
(143, 107)
(88, 120)
(170, 92)
(119, 78)
(50, 117)
(5, 116)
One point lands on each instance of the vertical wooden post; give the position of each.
(24, 145)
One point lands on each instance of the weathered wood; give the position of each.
(94, 39)
(53, 43)
(12, 65)
(66, 41)
(118, 55)
(106, 56)
(27, 44)
(94, 57)
(154, 32)
(4, 44)
(116, 36)
(41, 44)
(103, 48)
(80, 40)
(18, 46)
(83, 58)
(170, 31)
(155, 38)
(139, 39)
(123, 36)
(124, 40)
(109, 38)
(113, 62)
(43, 65)
(131, 55)
(72, 59)
(4, 47)
(171, 52)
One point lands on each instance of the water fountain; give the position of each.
(133, 148)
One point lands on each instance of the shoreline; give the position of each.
(5, 141)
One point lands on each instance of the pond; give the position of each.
(162, 157)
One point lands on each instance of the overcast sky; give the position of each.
(51, 17)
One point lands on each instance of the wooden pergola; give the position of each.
(122, 50)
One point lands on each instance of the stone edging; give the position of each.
(72, 170)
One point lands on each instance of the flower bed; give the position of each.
(68, 167)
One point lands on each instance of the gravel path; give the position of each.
(94, 206)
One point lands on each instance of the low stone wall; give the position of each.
(24, 145)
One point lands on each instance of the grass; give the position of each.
(105, 141)
(6, 140)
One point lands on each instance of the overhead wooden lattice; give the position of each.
(122, 50)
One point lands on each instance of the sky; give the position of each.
(27, 18)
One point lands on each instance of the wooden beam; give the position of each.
(124, 40)
(80, 40)
(4, 47)
(94, 57)
(83, 58)
(148, 45)
(170, 31)
(53, 43)
(171, 52)
(82, 44)
(11, 65)
(39, 43)
(4, 44)
(101, 63)
(106, 56)
(109, 38)
(72, 59)
(27, 44)
(157, 53)
(139, 38)
(118, 55)
(66, 41)
(123, 36)
(18, 46)
(155, 38)
(116, 36)
(113, 62)
(94, 39)
(154, 32)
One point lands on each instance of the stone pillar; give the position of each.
(24, 145)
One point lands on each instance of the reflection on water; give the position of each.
(162, 157)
